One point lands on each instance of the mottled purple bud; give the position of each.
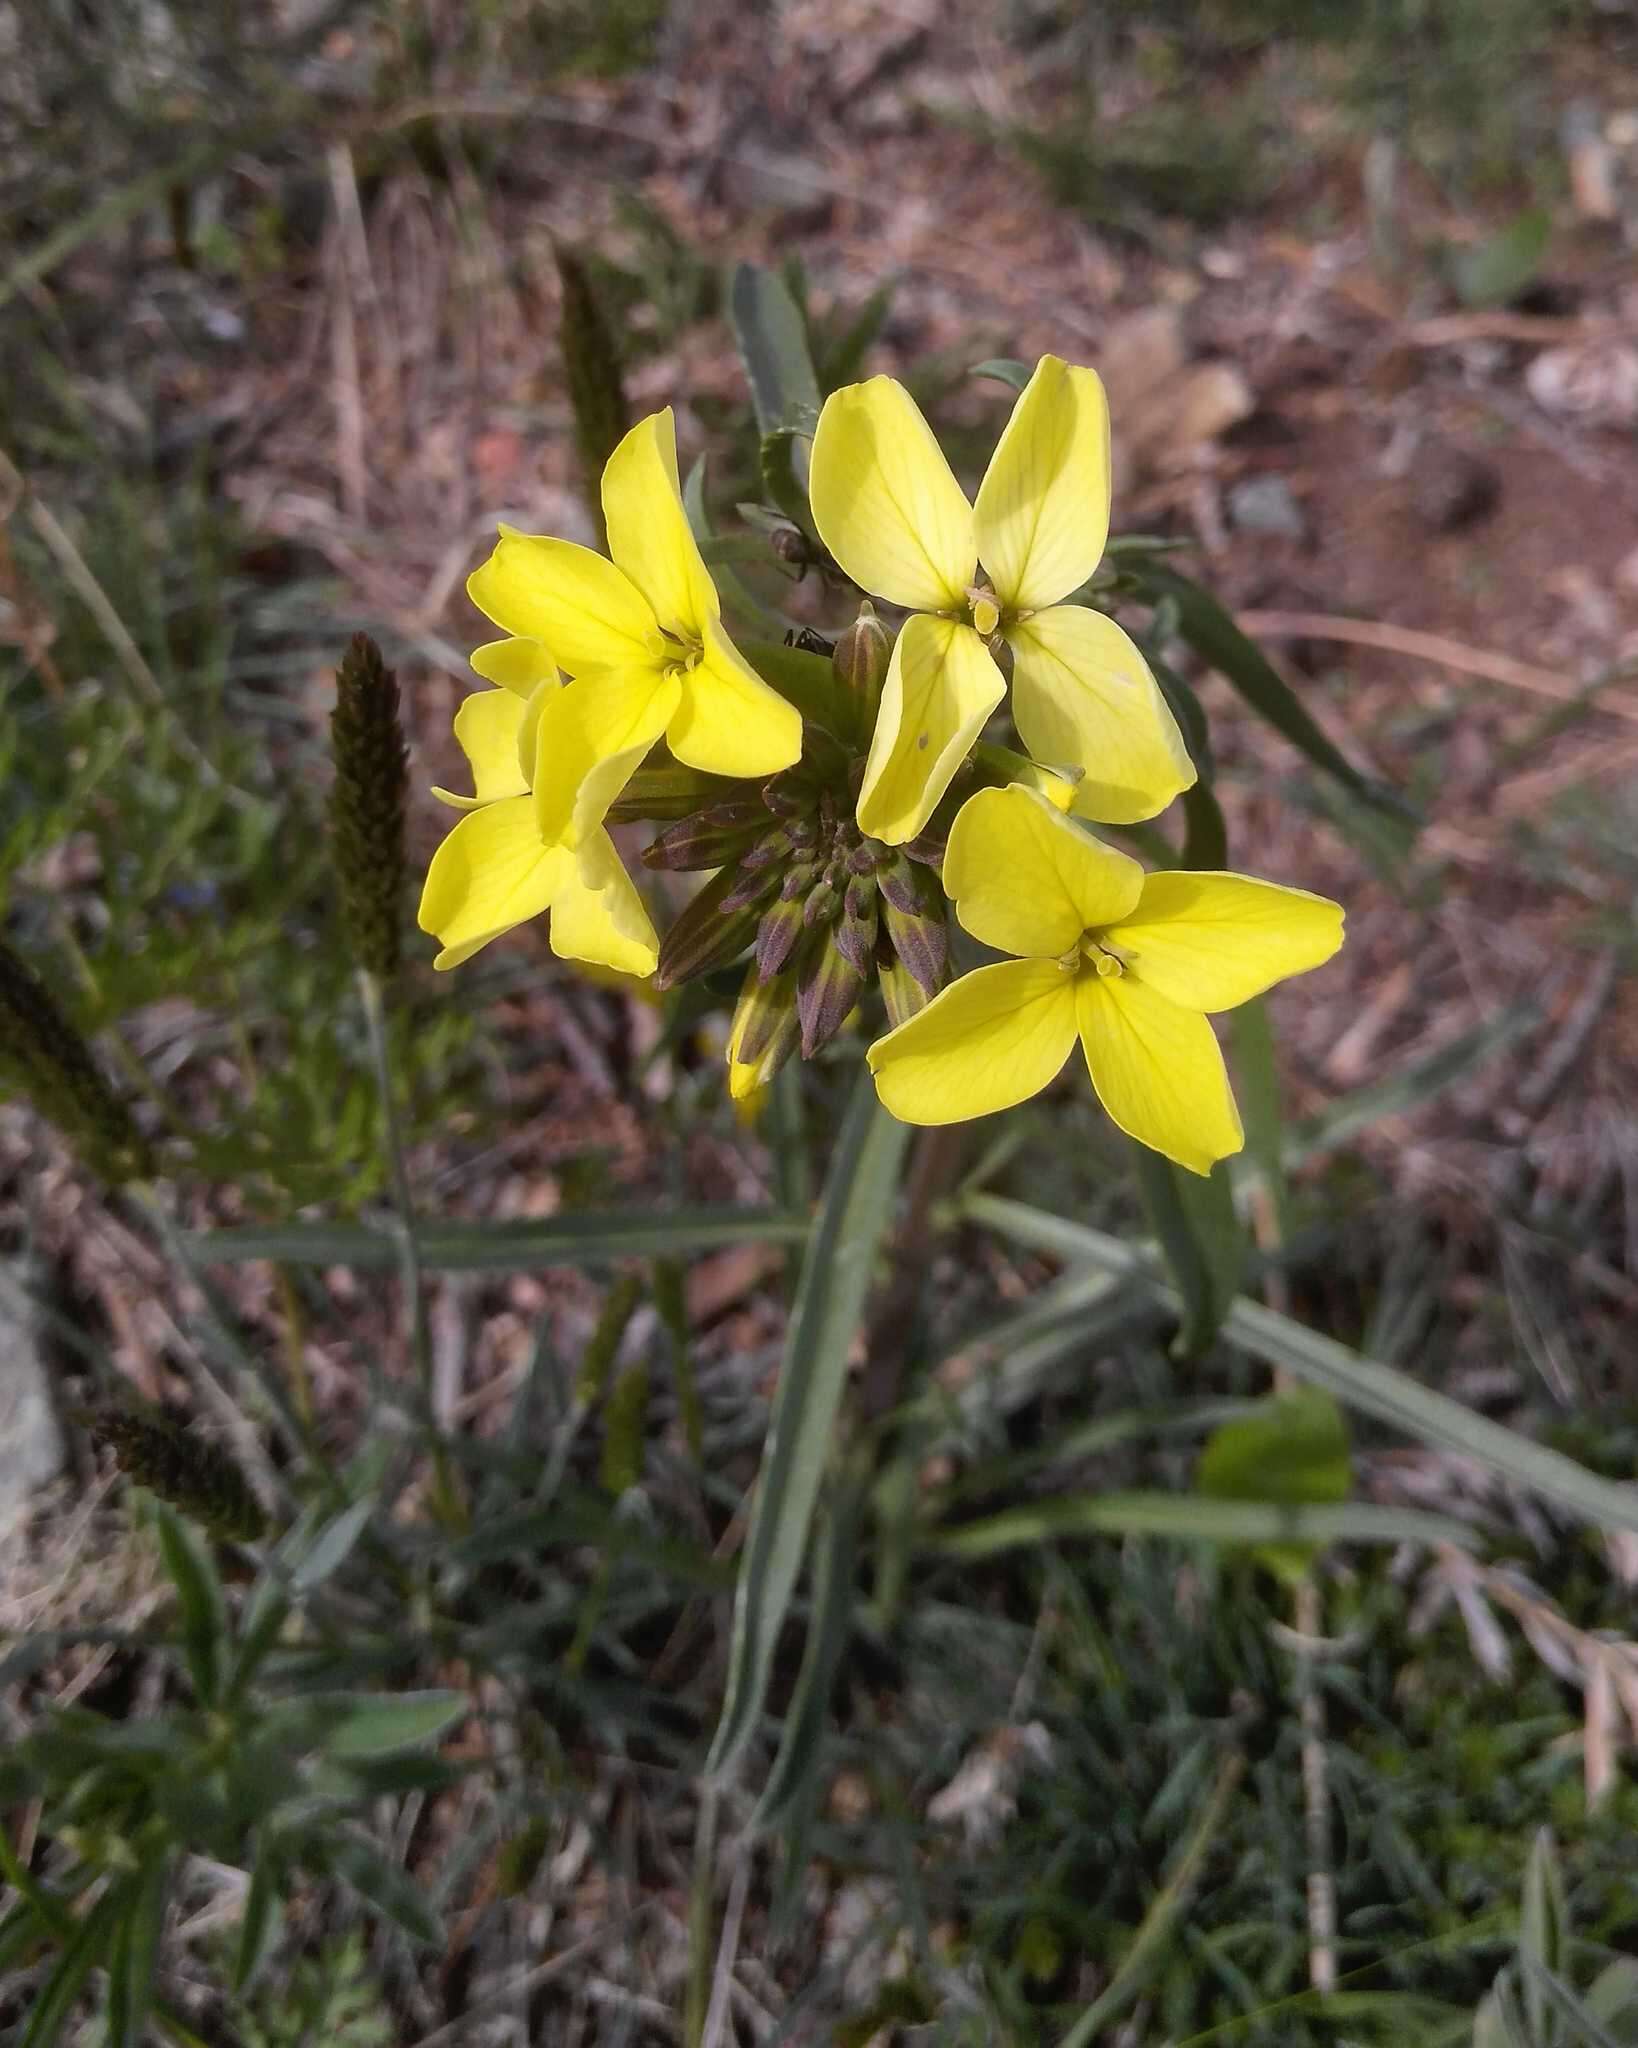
(827, 991)
(855, 936)
(922, 943)
(776, 937)
(707, 933)
(902, 994)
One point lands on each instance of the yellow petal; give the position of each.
(1082, 694)
(1027, 881)
(491, 873)
(1042, 513)
(1211, 941)
(993, 1038)
(487, 728)
(1158, 1071)
(728, 720)
(600, 917)
(942, 684)
(593, 735)
(885, 501)
(585, 609)
(649, 535)
(514, 664)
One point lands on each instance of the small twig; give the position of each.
(716, 2018)
(1437, 648)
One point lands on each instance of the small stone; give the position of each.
(1451, 489)
(1266, 504)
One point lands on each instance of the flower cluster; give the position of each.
(844, 807)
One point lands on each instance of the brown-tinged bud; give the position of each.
(821, 904)
(921, 939)
(828, 988)
(709, 839)
(902, 994)
(764, 1015)
(367, 806)
(591, 365)
(927, 849)
(855, 936)
(786, 797)
(58, 1073)
(766, 1031)
(896, 879)
(194, 1476)
(666, 794)
(773, 848)
(798, 881)
(862, 654)
(707, 933)
(751, 887)
(776, 937)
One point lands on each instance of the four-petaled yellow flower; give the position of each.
(889, 509)
(497, 869)
(642, 638)
(1128, 962)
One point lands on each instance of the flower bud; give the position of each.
(860, 661)
(827, 989)
(855, 936)
(921, 937)
(902, 994)
(709, 932)
(669, 793)
(707, 839)
(764, 1035)
(776, 937)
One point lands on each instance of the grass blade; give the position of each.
(852, 1222)
(590, 1239)
(1195, 1518)
(1392, 1397)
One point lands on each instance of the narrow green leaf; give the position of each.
(360, 1864)
(854, 1215)
(786, 1795)
(1193, 1219)
(591, 364)
(1557, 2015)
(1003, 370)
(773, 345)
(200, 1600)
(1257, 1086)
(1374, 1389)
(85, 1948)
(841, 360)
(586, 1239)
(1214, 636)
(1542, 1928)
(1189, 1518)
(259, 1924)
(331, 1547)
(364, 1724)
(134, 1959)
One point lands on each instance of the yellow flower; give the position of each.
(642, 638)
(497, 869)
(890, 511)
(1130, 963)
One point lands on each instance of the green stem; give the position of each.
(420, 1336)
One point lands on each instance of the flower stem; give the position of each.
(446, 1491)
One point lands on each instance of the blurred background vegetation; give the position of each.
(281, 298)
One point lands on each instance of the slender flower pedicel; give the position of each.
(890, 511)
(1131, 964)
(642, 638)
